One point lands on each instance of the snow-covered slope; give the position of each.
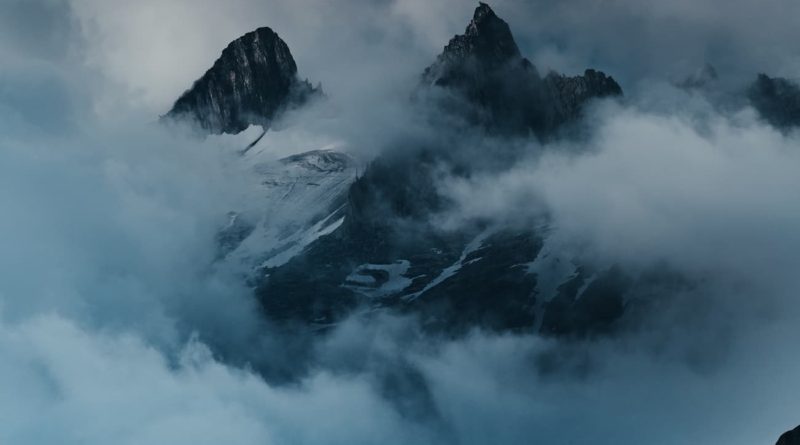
(292, 201)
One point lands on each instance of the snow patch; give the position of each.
(451, 270)
(292, 202)
(379, 280)
(552, 269)
(585, 286)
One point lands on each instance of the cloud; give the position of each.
(39, 29)
(66, 385)
(697, 190)
(670, 183)
(113, 225)
(79, 386)
(635, 40)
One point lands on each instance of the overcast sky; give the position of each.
(150, 51)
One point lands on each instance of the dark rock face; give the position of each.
(790, 437)
(484, 66)
(491, 288)
(777, 100)
(486, 44)
(254, 79)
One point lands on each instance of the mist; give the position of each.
(117, 323)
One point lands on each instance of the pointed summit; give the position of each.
(253, 80)
(487, 42)
(483, 10)
(503, 91)
(489, 36)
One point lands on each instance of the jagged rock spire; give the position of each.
(252, 81)
(484, 67)
(487, 42)
(488, 37)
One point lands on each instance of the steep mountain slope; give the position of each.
(389, 252)
(254, 79)
(295, 201)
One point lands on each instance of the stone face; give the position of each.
(484, 67)
(777, 100)
(790, 437)
(254, 79)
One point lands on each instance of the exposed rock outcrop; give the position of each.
(254, 79)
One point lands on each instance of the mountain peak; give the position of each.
(483, 12)
(487, 41)
(252, 81)
(486, 70)
(491, 35)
